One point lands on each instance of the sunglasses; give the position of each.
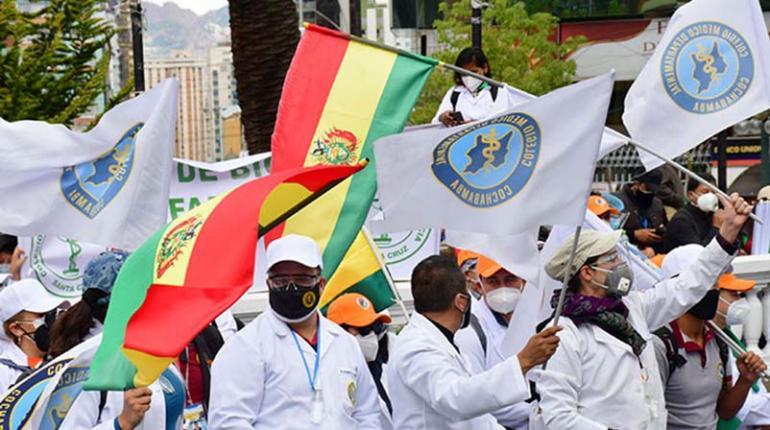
(378, 328)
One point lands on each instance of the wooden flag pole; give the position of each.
(386, 272)
(689, 173)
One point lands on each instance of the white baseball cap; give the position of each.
(680, 258)
(296, 248)
(26, 295)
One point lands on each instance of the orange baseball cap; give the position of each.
(728, 281)
(487, 266)
(355, 310)
(465, 255)
(599, 206)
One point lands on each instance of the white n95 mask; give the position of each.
(737, 311)
(708, 202)
(369, 344)
(503, 300)
(471, 83)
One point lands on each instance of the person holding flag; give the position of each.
(291, 368)
(481, 341)
(605, 373)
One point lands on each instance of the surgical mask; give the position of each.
(619, 280)
(5, 268)
(369, 345)
(467, 315)
(737, 311)
(471, 83)
(292, 304)
(708, 202)
(503, 300)
(706, 308)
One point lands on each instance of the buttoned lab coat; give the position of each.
(594, 381)
(513, 416)
(258, 380)
(432, 385)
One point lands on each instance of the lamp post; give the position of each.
(138, 45)
(476, 6)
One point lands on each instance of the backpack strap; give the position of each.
(453, 99)
(724, 354)
(476, 326)
(674, 358)
(102, 404)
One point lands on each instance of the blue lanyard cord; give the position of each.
(310, 379)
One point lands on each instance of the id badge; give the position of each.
(316, 407)
(194, 418)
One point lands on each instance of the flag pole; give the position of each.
(735, 346)
(385, 271)
(565, 279)
(687, 172)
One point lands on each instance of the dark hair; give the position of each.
(8, 243)
(574, 283)
(435, 282)
(692, 184)
(71, 328)
(473, 56)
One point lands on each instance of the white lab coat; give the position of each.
(513, 416)
(594, 381)
(755, 411)
(432, 386)
(474, 108)
(84, 412)
(226, 325)
(258, 380)
(9, 374)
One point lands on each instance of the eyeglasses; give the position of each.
(613, 257)
(301, 281)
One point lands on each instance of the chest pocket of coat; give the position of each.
(347, 389)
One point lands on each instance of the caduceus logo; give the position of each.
(175, 242)
(488, 164)
(707, 67)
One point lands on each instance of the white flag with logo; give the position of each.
(529, 166)
(107, 186)
(710, 70)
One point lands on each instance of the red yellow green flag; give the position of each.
(192, 270)
(339, 96)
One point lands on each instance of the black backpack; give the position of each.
(677, 360)
(456, 96)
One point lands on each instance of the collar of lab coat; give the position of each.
(327, 330)
(434, 335)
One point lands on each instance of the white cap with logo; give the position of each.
(296, 248)
(26, 295)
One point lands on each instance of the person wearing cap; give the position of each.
(695, 222)
(430, 381)
(12, 257)
(291, 368)
(734, 309)
(355, 313)
(646, 216)
(158, 406)
(605, 373)
(481, 341)
(23, 306)
(467, 260)
(694, 363)
(601, 208)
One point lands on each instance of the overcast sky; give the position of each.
(198, 6)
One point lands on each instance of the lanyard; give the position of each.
(311, 380)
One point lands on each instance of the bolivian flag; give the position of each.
(339, 96)
(192, 270)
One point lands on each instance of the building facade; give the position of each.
(223, 94)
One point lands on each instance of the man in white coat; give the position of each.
(481, 342)
(431, 383)
(291, 368)
(605, 374)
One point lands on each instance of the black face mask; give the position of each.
(41, 335)
(644, 199)
(467, 315)
(293, 304)
(706, 308)
(98, 301)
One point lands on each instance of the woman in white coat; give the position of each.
(23, 306)
(604, 374)
(471, 99)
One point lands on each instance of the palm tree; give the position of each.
(264, 36)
